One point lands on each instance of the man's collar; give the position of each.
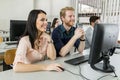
(91, 27)
(63, 29)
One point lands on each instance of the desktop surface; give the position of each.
(86, 70)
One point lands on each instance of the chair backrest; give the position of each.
(1, 57)
(1, 39)
(9, 56)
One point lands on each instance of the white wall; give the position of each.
(19, 9)
(13, 9)
(52, 7)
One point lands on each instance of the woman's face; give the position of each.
(41, 22)
(57, 22)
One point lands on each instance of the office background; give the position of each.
(108, 10)
(19, 9)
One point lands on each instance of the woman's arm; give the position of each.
(21, 67)
(51, 52)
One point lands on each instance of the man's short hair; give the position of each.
(63, 11)
(93, 18)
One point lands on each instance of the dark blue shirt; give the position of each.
(60, 37)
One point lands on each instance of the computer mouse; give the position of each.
(61, 68)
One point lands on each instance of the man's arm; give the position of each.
(82, 44)
(65, 49)
(56, 37)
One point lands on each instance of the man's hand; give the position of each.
(79, 33)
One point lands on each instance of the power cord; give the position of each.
(84, 78)
(114, 72)
(104, 76)
(109, 75)
(72, 72)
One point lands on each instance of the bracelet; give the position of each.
(82, 39)
(50, 42)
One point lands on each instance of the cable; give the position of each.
(82, 74)
(108, 75)
(104, 76)
(83, 77)
(72, 72)
(114, 72)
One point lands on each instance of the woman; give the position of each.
(55, 22)
(35, 45)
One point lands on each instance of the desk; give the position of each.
(86, 70)
(4, 46)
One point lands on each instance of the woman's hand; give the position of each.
(53, 67)
(43, 46)
(45, 35)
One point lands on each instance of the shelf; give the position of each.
(87, 14)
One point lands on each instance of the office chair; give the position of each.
(1, 59)
(9, 56)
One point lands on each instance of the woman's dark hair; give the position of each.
(31, 29)
(54, 22)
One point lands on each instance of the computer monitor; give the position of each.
(48, 30)
(103, 41)
(17, 28)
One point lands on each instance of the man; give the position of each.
(65, 36)
(89, 31)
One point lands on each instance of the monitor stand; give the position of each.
(104, 66)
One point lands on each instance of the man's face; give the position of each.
(69, 18)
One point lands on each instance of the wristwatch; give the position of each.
(82, 39)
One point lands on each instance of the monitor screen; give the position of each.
(48, 30)
(17, 28)
(103, 42)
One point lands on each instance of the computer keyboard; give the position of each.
(78, 60)
(11, 43)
